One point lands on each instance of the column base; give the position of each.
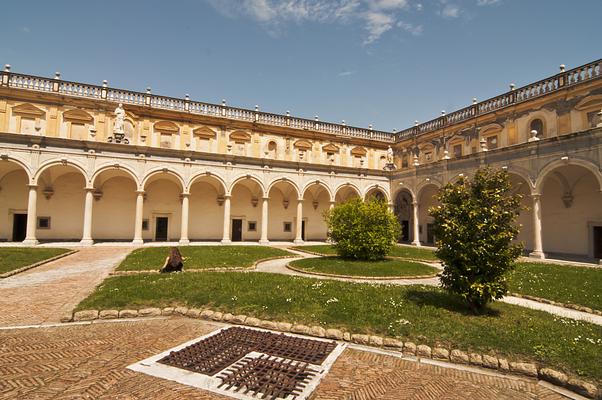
(264, 242)
(86, 242)
(298, 241)
(184, 241)
(537, 254)
(416, 243)
(31, 242)
(226, 241)
(138, 241)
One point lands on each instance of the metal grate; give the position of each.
(213, 354)
(267, 377)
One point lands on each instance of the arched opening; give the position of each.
(61, 202)
(206, 208)
(403, 210)
(345, 193)
(376, 193)
(162, 211)
(426, 199)
(571, 216)
(13, 201)
(246, 208)
(282, 211)
(114, 207)
(316, 201)
(537, 125)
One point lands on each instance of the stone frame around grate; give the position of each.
(151, 366)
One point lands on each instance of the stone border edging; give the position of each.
(217, 269)
(454, 356)
(421, 260)
(556, 303)
(379, 278)
(28, 267)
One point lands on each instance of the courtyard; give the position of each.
(42, 357)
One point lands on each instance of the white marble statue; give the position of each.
(389, 155)
(118, 127)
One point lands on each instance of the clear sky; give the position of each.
(385, 62)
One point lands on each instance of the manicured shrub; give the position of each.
(362, 230)
(475, 226)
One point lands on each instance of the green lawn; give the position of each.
(12, 258)
(386, 268)
(200, 257)
(416, 253)
(562, 283)
(423, 314)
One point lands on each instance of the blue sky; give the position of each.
(380, 62)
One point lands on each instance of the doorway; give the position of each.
(237, 230)
(598, 242)
(430, 233)
(161, 225)
(19, 227)
(405, 231)
(303, 230)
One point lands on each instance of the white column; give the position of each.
(416, 224)
(184, 225)
(88, 206)
(226, 236)
(537, 242)
(138, 218)
(264, 222)
(299, 223)
(32, 217)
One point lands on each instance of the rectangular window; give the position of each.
(252, 227)
(43, 222)
(428, 156)
(145, 224)
(457, 150)
(288, 227)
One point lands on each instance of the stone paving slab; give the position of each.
(89, 362)
(47, 292)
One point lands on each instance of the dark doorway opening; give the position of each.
(598, 242)
(237, 230)
(430, 233)
(405, 231)
(19, 227)
(303, 230)
(161, 229)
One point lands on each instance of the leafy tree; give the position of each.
(362, 230)
(475, 226)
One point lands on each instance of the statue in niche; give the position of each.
(389, 155)
(174, 262)
(118, 127)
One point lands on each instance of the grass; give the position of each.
(200, 257)
(416, 253)
(390, 267)
(12, 258)
(563, 283)
(418, 313)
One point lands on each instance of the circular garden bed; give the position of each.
(389, 268)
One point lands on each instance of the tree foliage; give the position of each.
(475, 226)
(362, 230)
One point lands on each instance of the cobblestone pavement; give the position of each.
(89, 362)
(45, 293)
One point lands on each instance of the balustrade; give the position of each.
(549, 85)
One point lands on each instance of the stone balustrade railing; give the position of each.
(557, 82)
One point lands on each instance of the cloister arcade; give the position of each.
(63, 202)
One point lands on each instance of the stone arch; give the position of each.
(290, 181)
(541, 176)
(523, 174)
(348, 185)
(425, 183)
(19, 162)
(402, 207)
(243, 177)
(49, 164)
(205, 174)
(114, 166)
(377, 188)
(158, 171)
(321, 184)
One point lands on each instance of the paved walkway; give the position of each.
(89, 362)
(46, 293)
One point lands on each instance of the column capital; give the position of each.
(414, 203)
(535, 196)
(32, 186)
(300, 200)
(183, 194)
(265, 198)
(89, 189)
(227, 196)
(140, 191)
